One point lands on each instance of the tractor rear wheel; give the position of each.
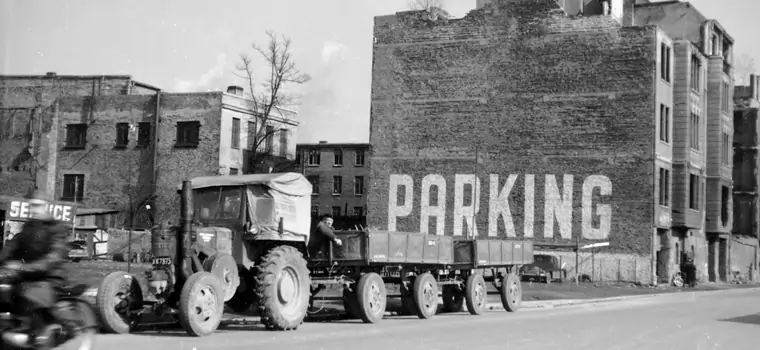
(283, 288)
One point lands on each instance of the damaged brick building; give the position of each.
(96, 141)
(746, 230)
(529, 119)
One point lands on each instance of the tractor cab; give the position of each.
(250, 210)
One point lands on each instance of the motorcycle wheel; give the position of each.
(81, 324)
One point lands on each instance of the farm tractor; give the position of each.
(241, 240)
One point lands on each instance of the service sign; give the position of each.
(18, 209)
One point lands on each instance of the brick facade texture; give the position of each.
(531, 91)
(113, 174)
(27, 128)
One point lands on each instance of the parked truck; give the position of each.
(242, 240)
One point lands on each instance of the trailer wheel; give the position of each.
(201, 304)
(119, 297)
(425, 293)
(372, 298)
(244, 295)
(282, 288)
(511, 292)
(351, 303)
(453, 299)
(224, 267)
(476, 294)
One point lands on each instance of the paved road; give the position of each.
(689, 321)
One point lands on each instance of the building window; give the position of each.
(664, 123)
(233, 171)
(696, 73)
(338, 155)
(76, 135)
(725, 98)
(122, 135)
(725, 197)
(335, 211)
(665, 53)
(251, 135)
(694, 191)
(235, 133)
(315, 210)
(359, 185)
(726, 148)
(143, 134)
(73, 187)
(358, 211)
(337, 184)
(314, 156)
(188, 134)
(270, 139)
(664, 193)
(359, 158)
(314, 180)
(283, 142)
(695, 135)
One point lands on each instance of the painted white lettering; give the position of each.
(66, 216)
(57, 212)
(24, 210)
(394, 210)
(559, 207)
(529, 206)
(604, 211)
(15, 209)
(462, 211)
(498, 205)
(439, 210)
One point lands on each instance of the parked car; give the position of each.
(78, 251)
(544, 268)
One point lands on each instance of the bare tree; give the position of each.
(435, 8)
(744, 65)
(269, 98)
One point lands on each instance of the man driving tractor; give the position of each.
(323, 234)
(32, 262)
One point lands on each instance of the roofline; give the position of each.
(707, 20)
(39, 76)
(251, 100)
(147, 86)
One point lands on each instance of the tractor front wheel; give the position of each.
(282, 288)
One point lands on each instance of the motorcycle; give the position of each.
(76, 322)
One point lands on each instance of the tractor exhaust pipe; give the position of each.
(184, 233)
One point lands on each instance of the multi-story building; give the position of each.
(129, 152)
(338, 173)
(703, 162)
(746, 231)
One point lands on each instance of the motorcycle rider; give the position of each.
(32, 262)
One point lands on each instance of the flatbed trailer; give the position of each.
(421, 265)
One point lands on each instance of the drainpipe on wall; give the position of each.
(653, 249)
(155, 140)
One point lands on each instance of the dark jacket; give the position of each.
(319, 239)
(41, 247)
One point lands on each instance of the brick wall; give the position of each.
(533, 94)
(26, 118)
(111, 174)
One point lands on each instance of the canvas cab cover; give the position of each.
(270, 197)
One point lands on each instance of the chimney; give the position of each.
(235, 90)
(322, 142)
(50, 74)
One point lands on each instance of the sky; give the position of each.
(195, 45)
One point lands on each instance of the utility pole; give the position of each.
(131, 212)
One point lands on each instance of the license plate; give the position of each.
(162, 261)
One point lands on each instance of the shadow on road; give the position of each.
(749, 319)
